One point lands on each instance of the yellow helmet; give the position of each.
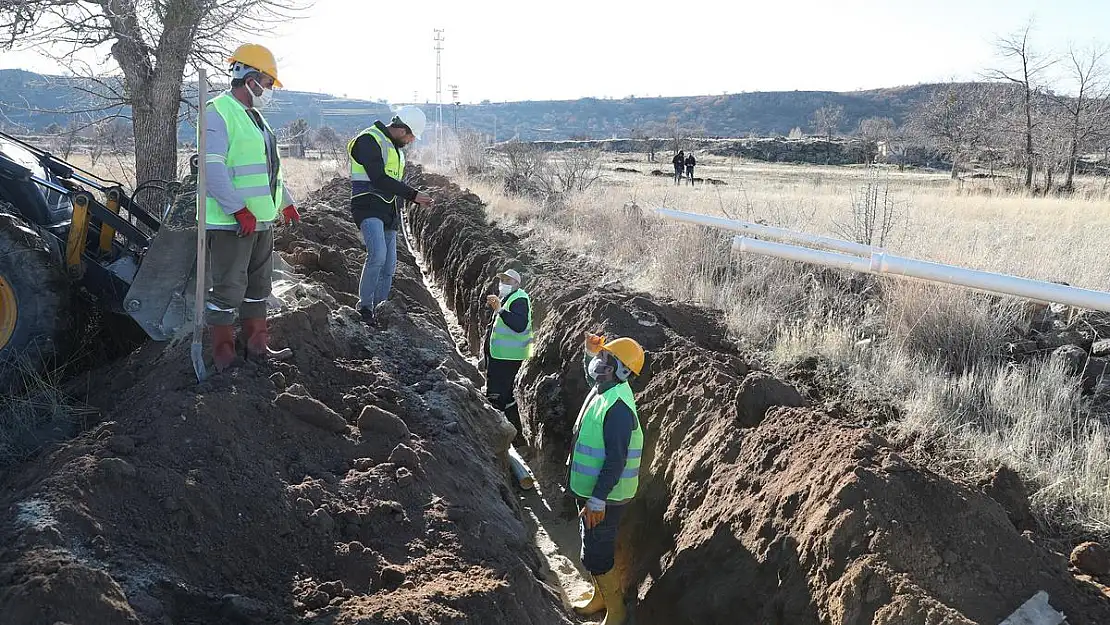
(256, 56)
(628, 351)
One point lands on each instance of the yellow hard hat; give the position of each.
(256, 56)
(628, 351)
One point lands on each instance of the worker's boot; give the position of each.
(258, 342)
(223, 345)
(591, 606)
(610, 585)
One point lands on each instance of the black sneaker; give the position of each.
(367, 315)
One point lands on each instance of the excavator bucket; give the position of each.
(161, 296)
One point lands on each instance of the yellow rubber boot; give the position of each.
(610, 585)
(591, 606)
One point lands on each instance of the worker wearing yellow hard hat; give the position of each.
(604, 466)
(246, 198)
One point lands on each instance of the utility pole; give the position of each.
(439, 95)
(455, 100)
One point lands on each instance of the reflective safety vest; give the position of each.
(393, 159)
(246, 162)
(504, 343)
(589, 447)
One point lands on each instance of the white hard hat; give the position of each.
(412, 117)
(511, 274)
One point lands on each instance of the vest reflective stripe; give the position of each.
(392, 158)
(504, 343)
(246, 163)
(589, 448)
(594, 472)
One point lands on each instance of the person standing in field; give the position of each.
(679, 160)
(690, 162)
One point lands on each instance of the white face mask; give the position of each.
(598, 367)
(262, 100)
(504, 290)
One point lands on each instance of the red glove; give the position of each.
(247, 222)
(289, 215)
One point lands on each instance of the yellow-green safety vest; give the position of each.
(589, 447)
(246, 162)
(504, 343)
(393, 159)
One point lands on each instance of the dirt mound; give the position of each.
(751, 504)
(363, 482)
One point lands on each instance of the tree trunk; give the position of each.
(155, 143)
(955, 166)
(1073, 163)
(1028, 137)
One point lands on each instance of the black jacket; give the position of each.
(368, 153)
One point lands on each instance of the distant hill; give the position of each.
(32, 102)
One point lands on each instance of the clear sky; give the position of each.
(518, 50)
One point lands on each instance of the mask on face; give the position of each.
(504, 290)
(598, 367)
(261, 100)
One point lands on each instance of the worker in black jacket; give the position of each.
(377, 169)
(508, 343)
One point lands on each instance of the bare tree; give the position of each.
(1027, 73)
(826, 122)
(875, 131)
(1086, 112)
(954, 120)
(298, 132)
(153, 43)
(574, 170)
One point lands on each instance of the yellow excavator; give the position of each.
(71, 238)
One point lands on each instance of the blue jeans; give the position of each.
(381, 262)
(599, 544)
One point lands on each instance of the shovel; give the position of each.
(196, 350)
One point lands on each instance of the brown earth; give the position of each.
(364, 482)
(753, 508)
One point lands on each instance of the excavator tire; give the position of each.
(34, 303)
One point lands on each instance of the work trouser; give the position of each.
(599, 545)
(677, 173)
(381, 262)
(501, 387)
(241, 275)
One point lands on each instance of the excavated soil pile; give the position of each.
(363, 482)
(752, 509)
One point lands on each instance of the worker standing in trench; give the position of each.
(377, 167)
(245, 197)
(604, 466)
(509, 342)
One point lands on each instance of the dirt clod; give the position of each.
(405, 456)
(116, 468)
(1091, 558)
(374, 421)
(312, 412)
(279, 381)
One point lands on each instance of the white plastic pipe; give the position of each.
(770, 232)
(884, 263)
